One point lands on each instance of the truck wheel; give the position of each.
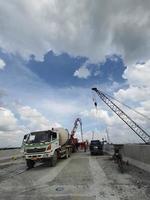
(30, 164)
(54, 159)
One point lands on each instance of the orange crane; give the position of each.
(130, 122)
(75, 142)
(77, 121)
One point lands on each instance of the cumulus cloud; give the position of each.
(86, 28)
(99, 114)
(2, 64)
(13, 128)
(138, 92)
(82, 72)
(11, 132)
(138, 77)
(133, 93)
(60, 106)
(8, 121)
(35, 120)
(138, 74)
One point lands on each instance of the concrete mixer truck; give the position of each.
(47, 146)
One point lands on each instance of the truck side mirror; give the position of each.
(25, 137)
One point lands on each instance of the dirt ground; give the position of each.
(81, 177)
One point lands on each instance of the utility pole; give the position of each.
(92, 135)
(108, 139)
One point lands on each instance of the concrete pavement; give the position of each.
(81, 177)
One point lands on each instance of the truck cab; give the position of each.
(40, 146)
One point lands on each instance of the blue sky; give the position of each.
(58, 70)
(49, 63)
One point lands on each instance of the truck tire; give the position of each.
(54, 159)
(30, 164)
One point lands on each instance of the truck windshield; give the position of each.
(41, 136)
(95, 142)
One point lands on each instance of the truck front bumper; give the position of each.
(39, 156)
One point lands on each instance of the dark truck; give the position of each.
(96, 147)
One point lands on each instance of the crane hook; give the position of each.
(95, 103)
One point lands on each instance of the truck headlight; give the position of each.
(49, 147)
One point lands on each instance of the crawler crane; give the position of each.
(130, 122)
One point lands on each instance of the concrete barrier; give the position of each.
(109, 148)
(138, 155)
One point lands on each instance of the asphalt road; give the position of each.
(81, 177)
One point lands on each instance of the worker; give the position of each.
(77, 145)
(87, 144)
(84, 145)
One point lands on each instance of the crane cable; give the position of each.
(130, 108)
(95, 103)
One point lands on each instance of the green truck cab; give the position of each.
(46, 146)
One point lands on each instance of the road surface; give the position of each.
(81, 177)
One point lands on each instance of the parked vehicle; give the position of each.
(47, 146)
(96, 147)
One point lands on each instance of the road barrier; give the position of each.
(136, 154)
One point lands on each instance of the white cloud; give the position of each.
(8, 122)
(2, 64)
(133, 93)
(138, 92)
(59, 106)
(99, 114)
(12, 128)
(93, 29)
(138, 74)
(35, 120)
(138, 77)
(11, 133)
(82, 72)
